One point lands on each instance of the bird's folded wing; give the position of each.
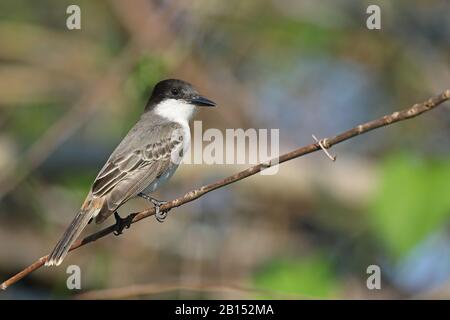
(126, 175)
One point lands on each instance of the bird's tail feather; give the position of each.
(70, 236)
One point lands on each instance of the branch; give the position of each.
(143, 290)
(326, 143)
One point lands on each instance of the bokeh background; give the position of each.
(305, 67)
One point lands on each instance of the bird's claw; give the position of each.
(122, 223)
(160, 215)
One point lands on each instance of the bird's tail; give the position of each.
(71, 234)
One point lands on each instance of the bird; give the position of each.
(145, 158)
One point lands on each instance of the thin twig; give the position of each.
(321, 144)
(152, 289)
(397, 116)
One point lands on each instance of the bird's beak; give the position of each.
(202, 102)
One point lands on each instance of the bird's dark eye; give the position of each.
(175, 91)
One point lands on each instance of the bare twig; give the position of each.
(152, 289)
(322, 144)
(397, 116)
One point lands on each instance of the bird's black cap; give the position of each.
(177, 89)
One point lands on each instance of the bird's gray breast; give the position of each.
(181, 133)
(166, 175)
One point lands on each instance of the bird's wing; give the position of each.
(125, 175)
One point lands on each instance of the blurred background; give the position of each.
(305, 67)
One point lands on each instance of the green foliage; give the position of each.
(29, 122)
(77, 182)
(311, 276)
(287, 32)
(147, 73)
(99, 271)
(413, 201)
(272, 33)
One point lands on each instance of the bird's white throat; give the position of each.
(178, 111)
(175, 110)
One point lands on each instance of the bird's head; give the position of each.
(174, 98)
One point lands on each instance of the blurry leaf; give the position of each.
(275, 35)
(100, 273)
(310, 277)
(128, 108)
(299, 33)
(30, 122)
(147, 73)
(413, 201)
(79, 181)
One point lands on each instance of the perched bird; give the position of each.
(147, 156)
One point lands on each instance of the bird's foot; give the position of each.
(160, 215)
(122, 223)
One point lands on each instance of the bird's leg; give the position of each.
(160, 215)
(122, 223)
